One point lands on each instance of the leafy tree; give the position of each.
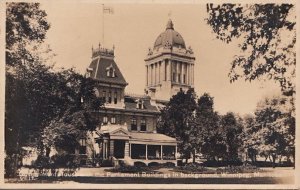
(267, 36)
(232, 131)
(276, 121)
(26, 27)
(250, 137)
(176, 121)
(209, 141)
(64, 132)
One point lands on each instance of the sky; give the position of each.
(133, 28)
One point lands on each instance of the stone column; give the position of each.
(111, 148)
(146, 152)
(147, 81)
(152, 79)
(181, 71)
(192, 74)
(163, 71)
(170, 70)
(161, 152)
(126, 151)
(159, 70)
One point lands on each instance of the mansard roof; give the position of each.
(98, 70)
(131, 102)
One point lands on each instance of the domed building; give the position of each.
(169, 65)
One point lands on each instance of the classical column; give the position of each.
(181, 72)
(163, 77)
(170, 71)
(189, 70)
(152, 80)
(126, 151)
(146, 152)
(147, 81)
(159, 70)
(111, 148)
(161, 152)
(167, 66)
(193, 74)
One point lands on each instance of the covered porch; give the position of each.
(117, 143)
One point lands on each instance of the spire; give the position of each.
(170, 25)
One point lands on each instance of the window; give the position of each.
(179, 77)
(105, 120)
(174, 77)
(113, 120)
(115, 98)
(133, 124)
(143, 125)
(109, 97)
(104, 95)
(82, 147)
(110, 72)
(184, 78)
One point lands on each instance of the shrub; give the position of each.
(106, 163)
(155, 164)
(140, 164)
(238, 169)
(130, 169)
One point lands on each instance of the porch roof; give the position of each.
(151, 137)
(121, 132)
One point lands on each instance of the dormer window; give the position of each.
(140, 104)
(110, 72)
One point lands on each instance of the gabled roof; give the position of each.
(99, 68)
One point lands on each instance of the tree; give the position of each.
(209, 140)
(250, 137)
(232, 131)
(267, 38)
(276, 121)
(176, 121)
(64, 132)
(26, 27)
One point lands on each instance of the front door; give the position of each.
(119, 148)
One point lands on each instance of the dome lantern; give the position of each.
(169, 38)
(170, 25)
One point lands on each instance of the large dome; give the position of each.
(169, 38)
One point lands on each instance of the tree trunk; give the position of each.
(274, 159)
(194, 156)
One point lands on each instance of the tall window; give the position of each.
(184, 78)
(113, 120)
(174, 77)
(82, 147)
(115, 98)
(143, 125)
(104, 95)
(133, 124)
(109, 97)
(179, 77)
(105, 120)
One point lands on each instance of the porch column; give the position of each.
(176, 152)
(126, 151)
(161, 152)
(111, 148)
(146, 152)
(103, 149)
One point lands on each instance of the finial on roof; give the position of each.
(170, 25)
(99, 45)
(114, 47)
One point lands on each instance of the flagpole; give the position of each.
(103, 24)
